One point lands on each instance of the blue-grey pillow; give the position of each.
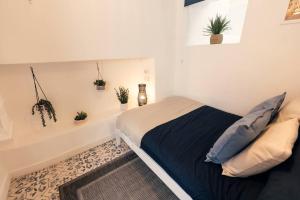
(239, 135)
(274, 102)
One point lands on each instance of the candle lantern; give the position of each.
(142, 97)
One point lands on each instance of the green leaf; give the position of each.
(217, 25)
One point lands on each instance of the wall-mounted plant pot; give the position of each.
(79, 122)
(100, 87)
(124, 107)
(216, 39)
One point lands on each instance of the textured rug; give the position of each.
(124, 178)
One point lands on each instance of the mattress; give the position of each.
(137, 122)
(178, 132)
(180, 147)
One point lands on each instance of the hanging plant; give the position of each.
(99, 83)
(42, 105)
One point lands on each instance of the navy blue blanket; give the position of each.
(180, 147)
(284, 180)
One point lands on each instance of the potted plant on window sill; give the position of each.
(216, 27)
(123, 95)
(80, 118)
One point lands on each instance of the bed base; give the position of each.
(160, 172)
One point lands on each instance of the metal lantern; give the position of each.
(142, 97)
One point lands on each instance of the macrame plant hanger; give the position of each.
(98, 69)
(36, 82)
(42, 104)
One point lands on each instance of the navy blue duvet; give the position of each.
(180, 147)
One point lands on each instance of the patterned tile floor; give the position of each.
(43, 184)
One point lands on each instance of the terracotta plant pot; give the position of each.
(100, 87)
(79, 122)
(124, 107)
(216, 39)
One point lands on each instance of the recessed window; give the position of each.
(200, 13)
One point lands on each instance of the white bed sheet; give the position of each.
(137, 122)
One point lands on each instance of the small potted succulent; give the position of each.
(216, 27)
(99, 83)
(80, 117)
(123, 95)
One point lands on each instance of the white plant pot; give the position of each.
(100, 87)
(79, 122)
(124, 107)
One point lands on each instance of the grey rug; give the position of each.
(124, 178)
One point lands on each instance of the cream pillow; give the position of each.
(289, 111)
(273, 147)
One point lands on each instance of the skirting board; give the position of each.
(160, 172)
(4, 186)
(56, 159)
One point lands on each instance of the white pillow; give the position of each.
(289, 111)
(273, 147)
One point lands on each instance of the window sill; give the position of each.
(214, 45)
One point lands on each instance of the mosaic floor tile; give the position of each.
(43, 184)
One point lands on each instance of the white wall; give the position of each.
(4, 182)
(236, 77)
(5, 123)
(66, 30)
(60, 37)
(69, 86)
(232, 77)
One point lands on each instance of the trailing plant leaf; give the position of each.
(41, 110)
(217, 25)
(80, 116)
(122, 94)
(44, 105)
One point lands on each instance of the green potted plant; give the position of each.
(99, 83)
(42, 104)
(80, 117)
(216, 27)
(123, 95)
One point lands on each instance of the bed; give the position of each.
(173, 137)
